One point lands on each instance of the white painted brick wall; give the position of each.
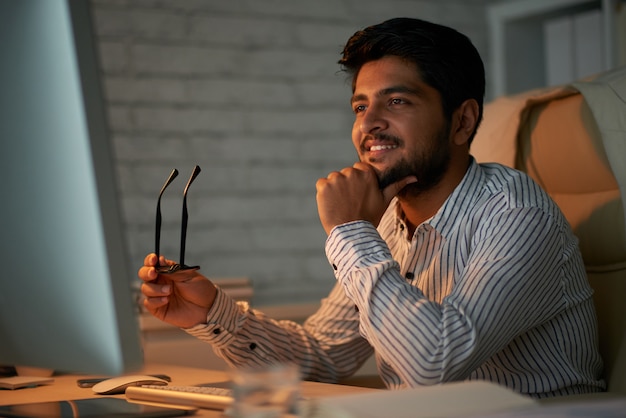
(250, 91)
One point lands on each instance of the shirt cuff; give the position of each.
(222, 321)
(355, 245)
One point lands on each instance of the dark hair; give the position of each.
(446, 59)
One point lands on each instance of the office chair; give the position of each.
(572, 140)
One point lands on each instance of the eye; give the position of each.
(359, 108)
(396, 101)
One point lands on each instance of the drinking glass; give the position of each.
(266, 392)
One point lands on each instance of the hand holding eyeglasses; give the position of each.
(182, 299)
(174, 292)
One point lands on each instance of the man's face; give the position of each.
(399, 127)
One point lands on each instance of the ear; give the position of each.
(464, 121)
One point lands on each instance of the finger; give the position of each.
(357, 168)
(152, 304)
(152, 290)
(334, 175)
(166, 262)
(147, 273)
(368, 170)
(359, 165)
(394, 188)
(183, 276)
(150, 260)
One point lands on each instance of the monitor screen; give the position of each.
(65, 292)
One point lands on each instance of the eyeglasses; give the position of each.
(183, 229)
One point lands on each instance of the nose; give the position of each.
(372, 120)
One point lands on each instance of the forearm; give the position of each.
(402, 325)
(246, 337)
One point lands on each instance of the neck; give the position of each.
(420, 206)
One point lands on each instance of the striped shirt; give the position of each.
(492, 287)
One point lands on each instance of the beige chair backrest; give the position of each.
(556, 140)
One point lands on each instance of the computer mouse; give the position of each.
(116, 385)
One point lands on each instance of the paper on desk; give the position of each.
(593, 407)
(18, 382)
(447, 400)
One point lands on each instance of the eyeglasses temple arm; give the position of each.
(157, 237)
(185, 217)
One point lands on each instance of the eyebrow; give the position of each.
(386, 92)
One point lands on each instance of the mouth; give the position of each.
(378, 145)
(374, 148)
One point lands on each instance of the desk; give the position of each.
(460, 399)
(65, 387)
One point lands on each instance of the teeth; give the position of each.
(382, 147)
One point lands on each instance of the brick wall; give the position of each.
(250, 91)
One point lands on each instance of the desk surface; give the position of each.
(65, 387)
(475, 398)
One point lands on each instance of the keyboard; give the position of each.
(208, 397)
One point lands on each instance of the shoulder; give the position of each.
(515, 188)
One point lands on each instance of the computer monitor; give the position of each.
(65, 288)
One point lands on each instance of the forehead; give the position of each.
(387, 71)
(390, 75)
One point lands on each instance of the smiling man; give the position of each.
(446, 269)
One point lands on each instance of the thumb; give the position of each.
(393, 189)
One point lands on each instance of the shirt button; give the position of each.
(409, 276)
(252, 346)
(217, 331)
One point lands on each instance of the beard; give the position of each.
(428, 166)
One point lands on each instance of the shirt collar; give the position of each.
(451, 212)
